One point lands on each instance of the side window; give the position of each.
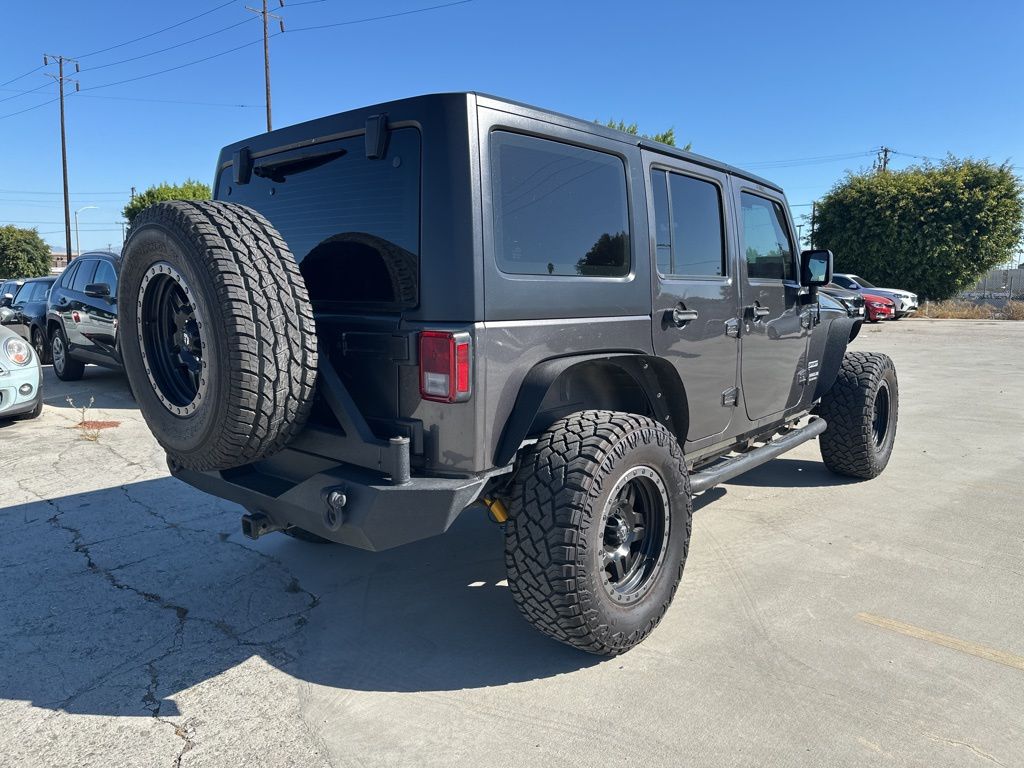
(558, 209)
(69, 275)
(766, 241)
(688, 225)
(105, 274)
(84, 275)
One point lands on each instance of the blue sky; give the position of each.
(798, 92)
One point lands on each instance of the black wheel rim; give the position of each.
(634, 529)
(170, 332)
(880, 416)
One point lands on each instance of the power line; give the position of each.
(168, 48)
(19, 94)
(30, 192)
(173, 69)
(170, 101)
(158, 32)
(19, 77)
(28, 109)
(379, 18)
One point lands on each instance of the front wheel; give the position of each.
(65, 366)
(599, 527)
(861, 411)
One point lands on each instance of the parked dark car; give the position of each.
(28, 314)
(851, 300)
(81, 321)
(8, 290)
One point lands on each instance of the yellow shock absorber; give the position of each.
(495, 509)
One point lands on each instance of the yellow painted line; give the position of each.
(981, 651)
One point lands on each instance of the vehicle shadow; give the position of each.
(107, 388)
(790, 473)
(115, 601)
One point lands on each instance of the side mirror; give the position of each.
(97, 290)
(815, 268)
(6, 300)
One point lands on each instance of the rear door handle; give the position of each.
(681, 316)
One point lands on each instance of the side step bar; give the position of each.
(726, 469)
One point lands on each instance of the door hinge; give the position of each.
(732, 327)
(730, 397)
(801, 377)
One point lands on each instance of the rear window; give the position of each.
(558, 209)
(352, 223)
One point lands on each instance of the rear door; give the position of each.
(774, 340)
(73, 309)
(694, 322)
(100, 312)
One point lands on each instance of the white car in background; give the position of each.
(905, 301)
(21, 378)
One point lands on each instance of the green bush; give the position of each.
(931, 229)
(190, 189)
(23, 253)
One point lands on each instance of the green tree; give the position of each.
(665, 137)
(190, 189)
(23, 253)
(931, 229)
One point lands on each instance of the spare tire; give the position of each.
(217, 333)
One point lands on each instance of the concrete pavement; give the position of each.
(819, 621)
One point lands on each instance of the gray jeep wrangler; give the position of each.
(391, 314)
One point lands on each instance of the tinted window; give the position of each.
(558, 209)
(353, 223)
(862, 282)
(689, 215)
(105, 274)
(68, 276)
(766, 242)
(35, 291)
(844, 282)
(84, 275)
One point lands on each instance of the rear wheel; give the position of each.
(599, 527)
(40, 346)
(65, 366)
(861, 411)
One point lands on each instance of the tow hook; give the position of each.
(334, 512)
(258, 524)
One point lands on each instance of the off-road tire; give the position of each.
(70, 369)
(259, 346)
(850, 444)
(553, 542)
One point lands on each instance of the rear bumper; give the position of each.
(376, 515)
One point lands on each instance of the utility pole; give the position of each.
(814, 215)
(267, 16)
(883, 159)
(60, 78)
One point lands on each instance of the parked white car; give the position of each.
(21, 378)
(905, 301)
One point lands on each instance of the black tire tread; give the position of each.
(847, 445)
(265, 309)
(73, 369)
(552, 484)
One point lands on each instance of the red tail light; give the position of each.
(445, 374)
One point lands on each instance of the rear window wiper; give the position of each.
(278, 170)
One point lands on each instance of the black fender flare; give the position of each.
(656, 377)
